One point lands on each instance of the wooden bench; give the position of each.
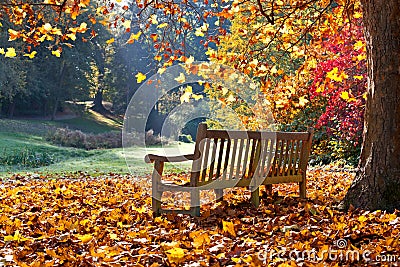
(225, 159)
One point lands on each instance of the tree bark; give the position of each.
(60, 89)
(11, 110)
(377, 182)
(98, 102)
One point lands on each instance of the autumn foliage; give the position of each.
(107, 221)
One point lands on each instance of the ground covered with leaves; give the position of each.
(81, 220)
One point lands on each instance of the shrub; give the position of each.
(152, 139)
(78, 139)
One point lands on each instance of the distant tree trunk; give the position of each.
(11, 110)
(55, 108)
(98, 97)
(60, 82)
(98, 102)
(377, 183)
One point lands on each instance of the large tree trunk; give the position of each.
(98, 102)
(377, 183)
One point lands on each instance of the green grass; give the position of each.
(92, 122)
(94, 161)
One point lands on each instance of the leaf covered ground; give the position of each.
(80, 220)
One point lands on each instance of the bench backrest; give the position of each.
(229, 158)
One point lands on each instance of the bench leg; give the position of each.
(156, 203)
(195, 202)
(155, 194)
(255, 197)
(219, 194)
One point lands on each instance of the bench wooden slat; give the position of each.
(233, 159)
(245, 169)
(212, 161)
(205, 151)
(220, 157)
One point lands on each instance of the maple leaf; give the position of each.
(56, 53)
(162, 25)
(2, 51)
(31, 55)
(134, 37)
(13, 34)
(110, 41)
(181, 78)
(228, 227)
(71, 36)
(84, 238)
(10, 52)
(126, 24)
(140, 77)
(176, 254)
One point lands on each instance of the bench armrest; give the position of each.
(149, 158)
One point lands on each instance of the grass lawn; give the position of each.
(21, 138)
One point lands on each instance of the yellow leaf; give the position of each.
(189, 89)
(153, 19)
(13, 34)
(198, 32)
(10, 52)
(228, 227)
(158, 58)
(127, 24)
(175, 255)
(161, 70)
(199, 239)
(31, 55)
(56, 53)
(236, 260)
(361, 57)
(189, 60)
(84, 238)
(357, 15)
(162, 25)
(47, 27)
(82, 28)
(71, 36)
(140, 210)
(303, 101)
(2, 51)
(345, 95)
(365, 96)
(110, 41)
(134, 37)
(231, 98)
(114, 237)
(8, 238)
(140, 77)
(185, 97)
(197, 97)
(362, 218)
(359, 77)
(181, 78)
(358, 45)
